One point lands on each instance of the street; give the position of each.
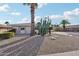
(65, 41)
(25, 48)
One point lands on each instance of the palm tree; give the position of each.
(33, 6)
(7, 23)
(64, 22)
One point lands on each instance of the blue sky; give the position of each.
(18, 13)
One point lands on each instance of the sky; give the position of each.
(19, 13)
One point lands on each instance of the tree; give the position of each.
(7, 23)
(64, 22)
(33, 6)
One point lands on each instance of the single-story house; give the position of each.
(70, 28)
(21, 28)
(73, 28)
(4, 28)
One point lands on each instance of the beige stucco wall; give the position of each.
(2, 30)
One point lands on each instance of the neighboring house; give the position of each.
(70, 28)
(73, 28)
(4, 28)
(22, 28)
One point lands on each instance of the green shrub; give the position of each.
(57, 29)
(13, 30)
(6, 35)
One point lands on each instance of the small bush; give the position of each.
(57, 29)
(13, 30)
(6, 35)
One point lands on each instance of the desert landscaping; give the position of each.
(61, 43)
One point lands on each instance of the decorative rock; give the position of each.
(70, 35)
(53, 38)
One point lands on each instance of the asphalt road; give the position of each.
(25, 48)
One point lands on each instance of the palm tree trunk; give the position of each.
(64, 27)
(32, 19)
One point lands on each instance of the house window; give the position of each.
(22, 28)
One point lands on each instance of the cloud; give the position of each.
(56, 16)
(16, 13)
(76, 11)
(27, 20)
(40, 5)
(72, 13)
(37, 19)
(67, 15)
(4, 8)
(24, 20)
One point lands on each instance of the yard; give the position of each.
(63, 43)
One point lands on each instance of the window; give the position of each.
(22, 28)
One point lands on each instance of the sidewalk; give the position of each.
(16, 38)
(72, 53)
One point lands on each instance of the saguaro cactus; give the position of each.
(43, 26)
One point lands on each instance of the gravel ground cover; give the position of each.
(62, 43)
